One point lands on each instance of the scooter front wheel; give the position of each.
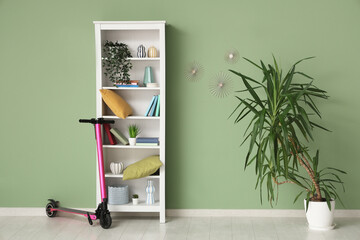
(105, 221)
(48, 207)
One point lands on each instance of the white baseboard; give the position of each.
(194, 212)
(250, 213)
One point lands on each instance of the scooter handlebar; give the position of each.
(96, 121)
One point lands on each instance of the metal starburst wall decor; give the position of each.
(194, 71)
(221, 85)
(232, 56)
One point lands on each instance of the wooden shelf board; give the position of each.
(131, 147)
(144, 59)
(133, 88)
(132, 118)
(141, 207)
(110, 175)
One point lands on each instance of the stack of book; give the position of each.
(154, 107)
(147, 141)
(133, 83)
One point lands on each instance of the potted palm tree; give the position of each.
(280, 123)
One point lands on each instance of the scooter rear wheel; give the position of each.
(50, 213)
(105, 221)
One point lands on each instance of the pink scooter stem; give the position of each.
(100, 161)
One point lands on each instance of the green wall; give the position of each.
(47, 74)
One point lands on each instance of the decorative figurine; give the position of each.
(152, 52)
(141, 52)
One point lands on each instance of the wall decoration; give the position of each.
(220, 85)
(141, 52)
(152, 52)
(232, 56)
(194, 71)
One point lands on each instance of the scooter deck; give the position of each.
(76, 211)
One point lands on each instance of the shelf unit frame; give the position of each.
(100, 27)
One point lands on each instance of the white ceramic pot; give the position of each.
(116, 167)
(319, 216)
(135, 201)
(132, 141)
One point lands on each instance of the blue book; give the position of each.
(153, 107)
(127, 85)
(157, 112)
(151, 104)
(147, 140)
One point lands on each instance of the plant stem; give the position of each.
(279, 183)
(305, 163)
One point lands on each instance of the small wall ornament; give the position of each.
(152, 52)
(232, 56)
(220, 85)
(194, 71)
(141, 52)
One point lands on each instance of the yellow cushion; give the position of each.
(117, 105)
(142, 168)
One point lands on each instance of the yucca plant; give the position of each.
(134, 130)
(280, 120)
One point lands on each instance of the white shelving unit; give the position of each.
(147, 33)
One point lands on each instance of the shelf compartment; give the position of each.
(110, 175)
(131, 147)
(141, 207)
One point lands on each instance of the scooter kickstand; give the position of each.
(89, 219)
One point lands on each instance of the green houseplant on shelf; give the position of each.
(280, 112)
(135, 199)
(134, 131)
(116, 62)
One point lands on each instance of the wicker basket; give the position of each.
(118, 195)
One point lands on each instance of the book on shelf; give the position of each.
(157, 111)
(133, 83)
(147, 140)
(151, 114)
(110, 136)
(149, 108)
(119, 136)
(147, 144)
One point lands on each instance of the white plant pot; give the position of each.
(319, 216)
(132, 141)
(135, 201)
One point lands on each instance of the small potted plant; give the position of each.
(134, 131)
(116, 62)
(135, 199)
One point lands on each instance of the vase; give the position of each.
(116, 167)
(148, 76)
(150, 190)
(141, 53)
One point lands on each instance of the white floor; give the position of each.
(197, 228)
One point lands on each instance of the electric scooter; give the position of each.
(102, 213)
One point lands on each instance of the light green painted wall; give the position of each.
(47, 74)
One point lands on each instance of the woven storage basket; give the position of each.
(118, 195)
